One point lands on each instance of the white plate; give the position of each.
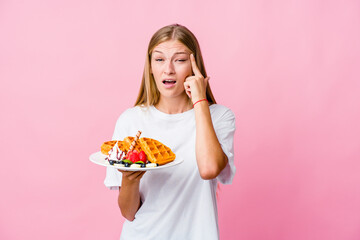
(99, 159)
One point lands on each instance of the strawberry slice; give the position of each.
(131, 152)
(134, 157)
(128, 154)
(142, 156)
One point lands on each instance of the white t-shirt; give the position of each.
(176, 202)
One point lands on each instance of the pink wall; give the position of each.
(288, 69)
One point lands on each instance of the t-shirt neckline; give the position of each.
(171, 116)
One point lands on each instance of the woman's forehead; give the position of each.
(171, 47)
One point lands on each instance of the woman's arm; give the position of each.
(211, 159)
(129, 195)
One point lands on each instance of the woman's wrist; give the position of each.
(199, 101)
(130, 183)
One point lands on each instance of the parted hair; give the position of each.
(148, 93)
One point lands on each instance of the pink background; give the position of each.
(288, 69)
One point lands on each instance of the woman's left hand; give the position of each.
(195, 86)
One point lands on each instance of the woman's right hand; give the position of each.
(131, 177)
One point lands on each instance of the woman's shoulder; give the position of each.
(222, 117)
(133, 112)
(219, 111)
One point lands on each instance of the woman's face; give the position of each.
(170, 66)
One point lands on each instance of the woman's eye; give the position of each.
(158, 59)
(181, 60)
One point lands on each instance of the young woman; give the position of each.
(175, 106)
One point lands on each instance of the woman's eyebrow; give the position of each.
(181, 53)
(157, 51)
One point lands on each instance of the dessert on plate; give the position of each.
(137, 152)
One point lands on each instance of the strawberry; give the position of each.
(131, 152)
(128, 154)
(142, 156)
(134, 157)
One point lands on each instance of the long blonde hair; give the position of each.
(148, 93)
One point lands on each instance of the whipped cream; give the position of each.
(115, 153)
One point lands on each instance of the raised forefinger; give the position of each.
(194, 66)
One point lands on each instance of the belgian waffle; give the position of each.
(127, 143)
(156, 152)
(107, 146)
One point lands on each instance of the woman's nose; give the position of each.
(169, 68)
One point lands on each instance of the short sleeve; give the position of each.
(113, 178)
(225, 129)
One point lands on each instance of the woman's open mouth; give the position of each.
(169, 83)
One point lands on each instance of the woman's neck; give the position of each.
(174, 105)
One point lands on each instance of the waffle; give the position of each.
(107, 146)
(127, 143)
(156, 152)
